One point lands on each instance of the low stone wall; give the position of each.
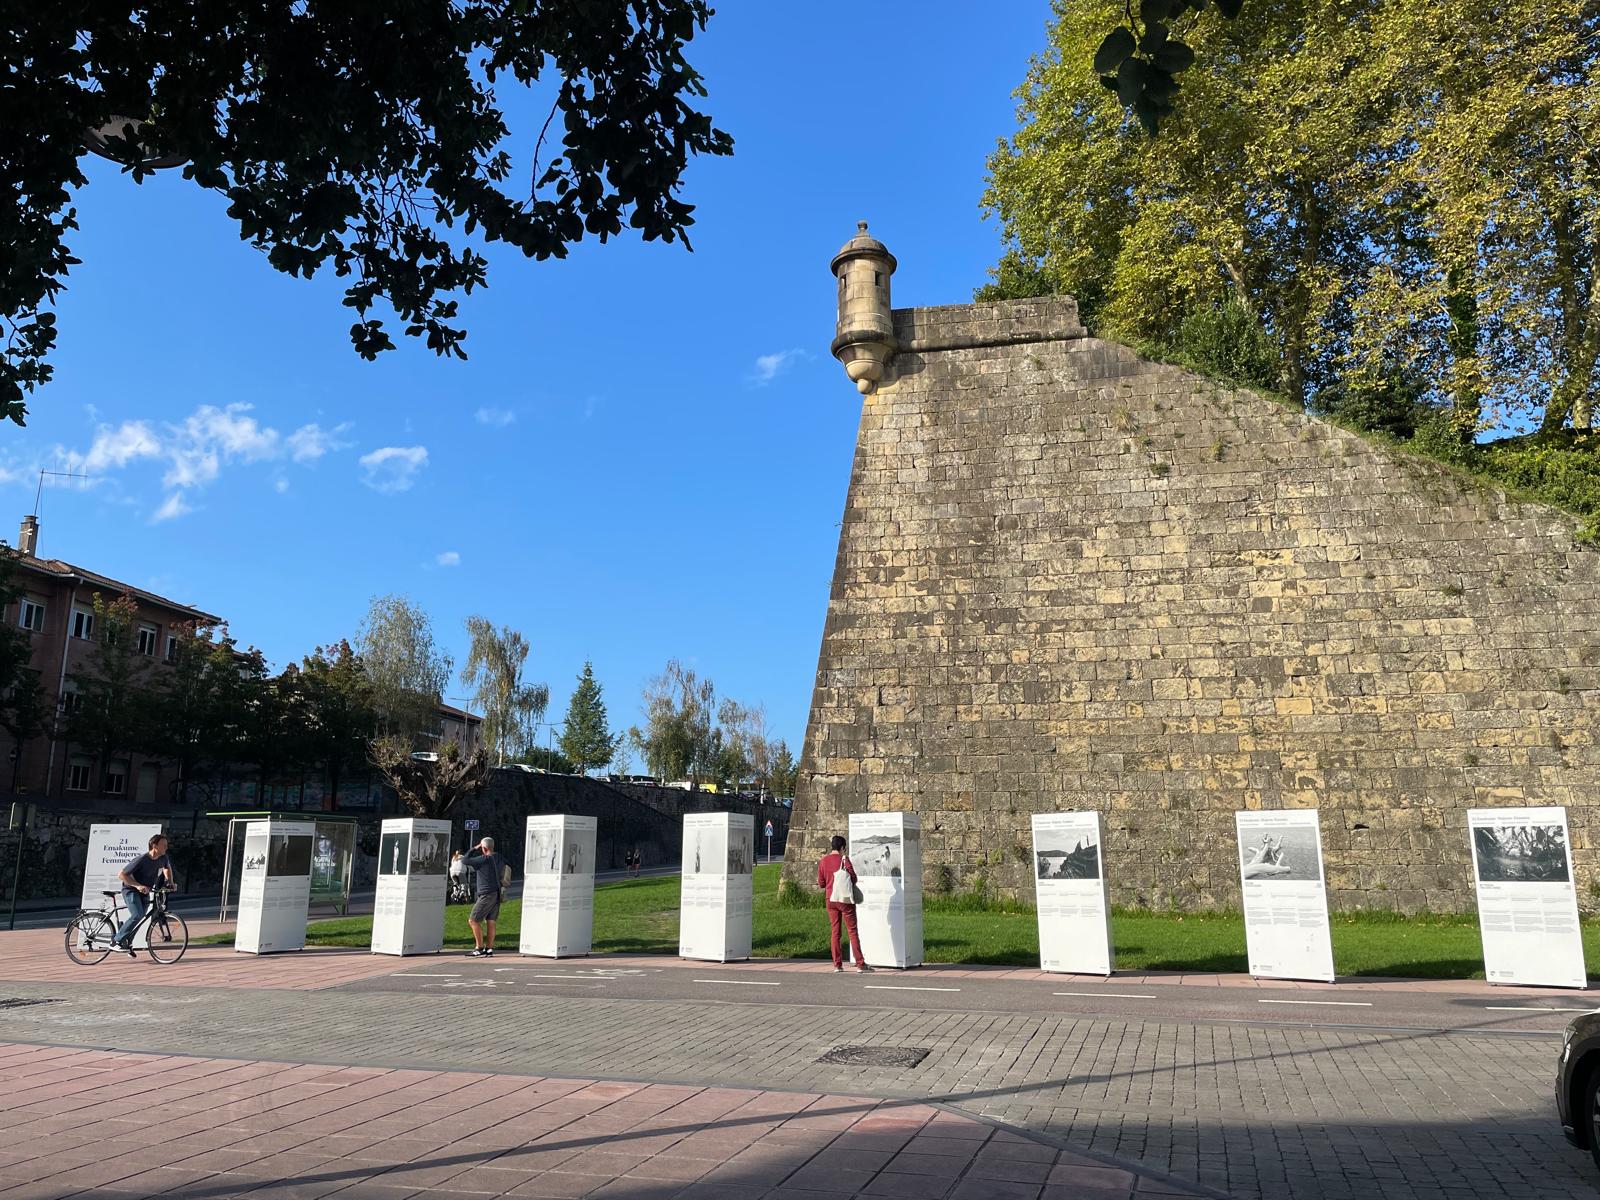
(628, 816)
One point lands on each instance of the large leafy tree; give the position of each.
(1392, 192)
(495, 658)
(679, 736)
(404, 667)
(331, 691)
(586, 737)
(23, 713)
(204, 707)
(110, 714)
(361, 138)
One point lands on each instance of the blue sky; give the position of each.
(646, 455)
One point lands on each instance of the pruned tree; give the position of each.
(494, 671)
(586, 736)
(369, 139)
(429, 785)
(404, 669)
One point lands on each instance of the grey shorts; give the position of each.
(486, 908)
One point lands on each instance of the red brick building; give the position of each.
(57, 611)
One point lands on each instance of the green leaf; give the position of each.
(1131, 80)
(1114, 51)
(1153, 11)
(1230, 8)
(1155, 36)
(1175, 56)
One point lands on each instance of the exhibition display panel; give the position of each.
(408, 908)
(718, 901)
(1070, 887)
(1527, 904)
(1285, 895)
(112, 847)
(558, 886)
(886, 851)
(275, 886)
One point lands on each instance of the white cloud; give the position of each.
(175, 506)
(499, 418)
(393, 468)
(311, 442)
(118, 447)
(197, 449)
(450, 558)
(770, 366)
(280, 485)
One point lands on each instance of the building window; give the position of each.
(71, 702)
(79, 771)
(31, 616)
(148, 637)
(172, 647)
(117, 779)
(83, 623)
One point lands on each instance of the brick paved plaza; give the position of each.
(341, 1073)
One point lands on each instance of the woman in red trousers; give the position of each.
(840, 910)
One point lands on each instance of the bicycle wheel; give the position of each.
(89, 938)
(169, 937)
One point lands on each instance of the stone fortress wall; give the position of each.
(1070, 578)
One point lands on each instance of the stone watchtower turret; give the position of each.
(864, 341)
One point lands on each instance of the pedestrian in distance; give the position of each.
(138, 877)
(836, 876)
(490, 873)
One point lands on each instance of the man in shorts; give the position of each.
(486, 868)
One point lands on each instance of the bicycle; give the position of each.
(91, 935)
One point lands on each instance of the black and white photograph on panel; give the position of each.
(543, 852)
(255, 852)
(572, 857)
(1285, 855)
(290, 854)
(1066, 854)
(1521, 853)
(705, 849)
(739, 852)
(394, 853)
(430, 853)
(877, 856)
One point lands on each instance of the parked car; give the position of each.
(1578, 1083)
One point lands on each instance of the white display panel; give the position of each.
(1070, 885)
(112, 847)
(408, 908)
(714, 915)
(1527, 905)
(275, 887)
(1285, 896)
(886, 851)
(558, 886)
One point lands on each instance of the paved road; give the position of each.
(1296, 1107)
(1350, 1006)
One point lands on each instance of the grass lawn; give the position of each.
(640, 916)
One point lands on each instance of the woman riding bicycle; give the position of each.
(138, 877)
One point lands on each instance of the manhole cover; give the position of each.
(875, 1056)
(19, 1002)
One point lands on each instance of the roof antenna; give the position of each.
(38, 496)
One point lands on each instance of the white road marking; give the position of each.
(739, 982)
(1108, 995)
(428, 975)
(1330, 1003)
(895, 987)
(1531, 1008)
